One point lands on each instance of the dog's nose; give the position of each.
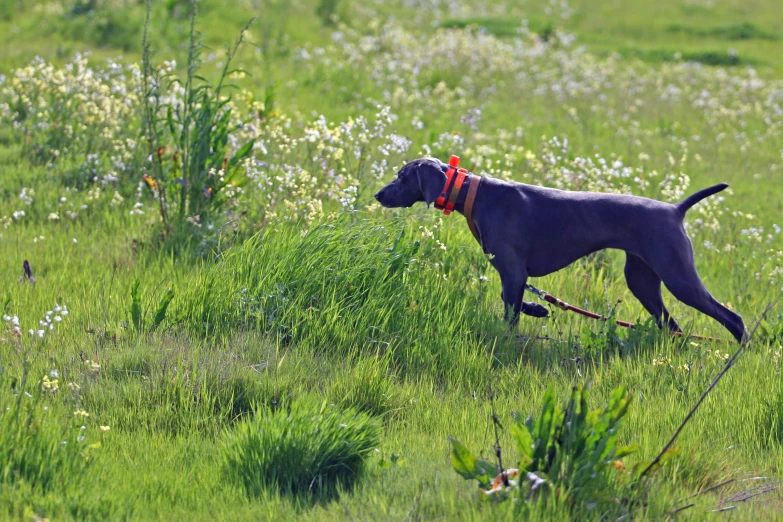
(378, 195)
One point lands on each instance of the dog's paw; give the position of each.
(535, 310)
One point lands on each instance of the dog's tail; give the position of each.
(691, 200)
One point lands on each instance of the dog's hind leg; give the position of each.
(675, 264)
(645, 285)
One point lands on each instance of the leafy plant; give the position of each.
(301, 451)
(189, 140)
(567, 450)
(137, 311)
(771, 331)
(135, 308)
(607, 338)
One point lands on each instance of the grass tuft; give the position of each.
(302, 450)
(368, 387)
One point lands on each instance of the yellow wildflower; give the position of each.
(49, 385)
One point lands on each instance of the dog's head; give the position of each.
(418, 180)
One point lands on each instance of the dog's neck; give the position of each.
(459, 206)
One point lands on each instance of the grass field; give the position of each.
(257, 338)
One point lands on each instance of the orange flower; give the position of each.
(150, 181)
(500, 481)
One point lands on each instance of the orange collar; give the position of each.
(447, 205)
(455, 182)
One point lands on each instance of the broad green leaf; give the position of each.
(486, 471)
(525, 462)
(170, 121)
(135, 308)
(623, 451)
(642, 465)
(524, 439)
(160, 314)
(242, 153)
(543, 429)
(462, 459)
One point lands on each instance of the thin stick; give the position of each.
(713, 488)
(725, 369)
(495, 424)
(754, 492)
(679, 509)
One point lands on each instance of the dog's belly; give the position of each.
(565, 233)
(540, 265)
(543, 263)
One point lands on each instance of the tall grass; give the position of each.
(353, 286)
(42, 442)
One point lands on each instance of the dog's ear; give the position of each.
(431, 181)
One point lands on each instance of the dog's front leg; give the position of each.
(531, 309)
(513, 291)
(534, 309)
(513, 280)
(513, 288)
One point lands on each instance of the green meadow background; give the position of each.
(309, 300)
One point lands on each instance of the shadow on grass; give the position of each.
(706, 57)
(741, 31)
(554, 346)
(500, 27)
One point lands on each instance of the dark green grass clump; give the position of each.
(741, 31)
(712, 58)
(500, 27)
(303, 450)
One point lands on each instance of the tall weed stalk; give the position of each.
(188, 140)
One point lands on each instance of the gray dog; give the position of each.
(533, 231)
